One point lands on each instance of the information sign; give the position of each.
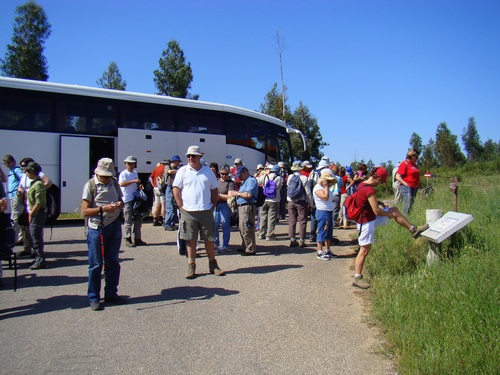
(443, 228)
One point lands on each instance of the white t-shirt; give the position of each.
(128, 191)
(196, 187)
(320, 203)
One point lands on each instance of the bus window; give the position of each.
(195, 121)
(247, 132)
(148, 117)
(24, 112)
(86, 117)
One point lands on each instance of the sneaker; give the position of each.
(361, 283)
(294, 243)
(156, 223)
(213, 267)
(191, 272)
(262, 237)
(38, 265)
(323, 256)
(330, 254)
(271, 238)
(129, 243)
(302, 244)
(416, 231)
(247, 253)
(116, 300)
(222, 248)
(95, 306)
(139, 242)
(170, 229)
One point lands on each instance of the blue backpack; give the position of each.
(295, 189)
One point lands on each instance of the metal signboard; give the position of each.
(443, 228)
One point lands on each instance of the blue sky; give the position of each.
(371, 72)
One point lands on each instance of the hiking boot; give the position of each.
(129, 243)
(191, 272)
(416, 231)
(95, 306)
(361, 283)
(302, 243)
(116, 300)
(139, 242)
(213, 267)
(294, 243)
(24, 254)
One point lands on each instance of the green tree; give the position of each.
(416, 142)
(446, 149)
(427, 158)
(174, 76)
(112, 79)
(300, 119)
(24, 57)
(472, 142)
(491, 150)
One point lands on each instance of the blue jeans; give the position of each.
(408, 193)
(314, 223)
(325, 225)
(170, 210)
(222, 215)
(112, 240)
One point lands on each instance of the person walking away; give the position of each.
(159, 202)
(195, 190)
(129, 182)
(408, 176)
(16, 202)
(297, 205)
(375, 213)
(36, 197)
(283, 200)
(271, 182)
(101, 206)
(343, 196)
(246, 197)
(222, 210)
(324, 210)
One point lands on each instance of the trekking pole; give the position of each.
(101, 238)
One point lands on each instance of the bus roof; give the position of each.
(60, 88)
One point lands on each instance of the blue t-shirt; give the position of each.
(15, 176)
(250, 186)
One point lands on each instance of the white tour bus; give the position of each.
(68, 128)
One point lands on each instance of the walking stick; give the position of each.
(101, 238)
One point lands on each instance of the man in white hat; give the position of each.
(129, 182)
(196, 191)
(101, 204)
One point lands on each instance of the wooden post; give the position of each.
(454, 190)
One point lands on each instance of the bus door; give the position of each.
(79, 156)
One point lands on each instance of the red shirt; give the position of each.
(361, 199)
(157, 172)
(410, 173)
(343, 186)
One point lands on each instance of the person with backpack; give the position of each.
(130, 183)
(271, 183)
(22, 190)
(313, 178)
(36, 198)
(101, 205)
(156, 178)
(374, 213)
(297, 205)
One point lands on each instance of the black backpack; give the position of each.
(53, 198)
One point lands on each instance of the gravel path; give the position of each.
(282, 311)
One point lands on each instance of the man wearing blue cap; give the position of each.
(170, 206)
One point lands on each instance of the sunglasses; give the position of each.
(224, 174)
(192, 156)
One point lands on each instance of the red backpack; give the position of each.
(353, 211)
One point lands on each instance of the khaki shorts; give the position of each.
(194, 223)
